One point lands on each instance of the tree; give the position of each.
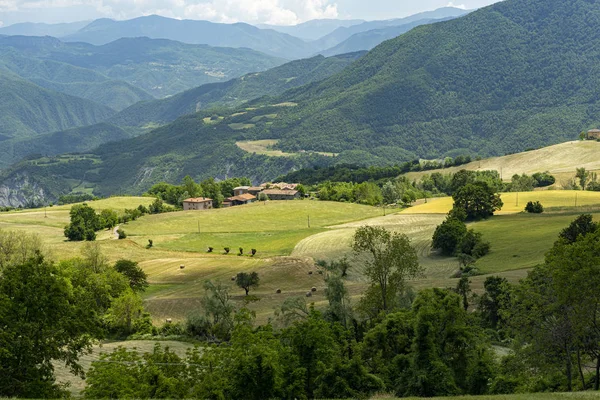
(108, 219)
(390, 193)
(247, 281)
(138, 280)
(448, 235)
(495, 297)
(463, 289)
(534, 207)
(17, 247)
(45, 318)
(583, 176)
(84, 223)
(389, 261)
(126, 313)
(263, 197)
(339, 309)
(582, 225)
(218, 309)
(478, 200)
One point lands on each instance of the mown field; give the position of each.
(287, 247)
(561, 160)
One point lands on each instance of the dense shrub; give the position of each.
(534, 207)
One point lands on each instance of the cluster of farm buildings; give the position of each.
(246, 195)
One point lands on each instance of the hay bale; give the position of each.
(278, 291)
(310, 272)
(314, 289)
(320, 272)
(308, 294)
(168, 320)
(181, 266)
(233, 278)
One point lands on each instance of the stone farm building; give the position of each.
(198, 203)
(278, 194)
(593, 134)
(239, 200)
(240, 190)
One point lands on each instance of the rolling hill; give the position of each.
(27, 110)
(272, 82)
(239, 35)
(158, 67)
(41, 29)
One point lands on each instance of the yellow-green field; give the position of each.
(561, 160)
(265, 146)
(515, 202)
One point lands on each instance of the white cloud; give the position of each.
(284, 12)
(461, 6)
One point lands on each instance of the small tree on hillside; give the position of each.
(583, 177)
(263, 197)
(247, 280)
(109, 219)
(534, 207)
(581, 226)
(448, 235)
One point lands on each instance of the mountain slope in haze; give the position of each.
(159, 67)
(314, 29)
(72, 80)
(343, 33)
(235, 92)
(73, 140)
(237, 35)
(515, 75)
(370, 39)
(41, 29)
(29, 110)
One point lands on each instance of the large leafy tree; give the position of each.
(138, 280)
(389, 261)
(44, 318)
(247, 280)
(478, 200)
(448, 235)
(84, 223)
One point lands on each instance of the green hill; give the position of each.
(74, 140)
(158, 67)
(235, 92)
(516, 75)
(27, 110)
(72, 80)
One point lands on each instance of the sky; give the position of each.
(277, 12)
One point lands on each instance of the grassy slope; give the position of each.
(561, 160)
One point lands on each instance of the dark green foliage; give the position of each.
(534, 207)
(150, 244)
(496, 297)
(543, 179)
(478, 200)
(84, 223)
(75, 198)
(227, 249)
(473, 245)
(121, 234)
(138, 280)
(363, 193)
(247, 281)
(449, 235)
(253, 252)
(581, 226)
(45, 318)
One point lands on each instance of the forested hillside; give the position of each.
(27, 110)
(103, 31)
(237, 91)
(158, 67)
(515, 75)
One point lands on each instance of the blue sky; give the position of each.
(283, 12)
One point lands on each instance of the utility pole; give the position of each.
(309, 221)
(198, 226)
(517, 199)
(576, 198)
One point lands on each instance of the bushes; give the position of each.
(121, 234)
(534, 207)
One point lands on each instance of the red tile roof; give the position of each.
(242, 197)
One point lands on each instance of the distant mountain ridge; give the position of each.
(128, 70)
(314, 29)
(41, 29)
(239, 35)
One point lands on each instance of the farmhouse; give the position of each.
(242, 199)
(240, 190)
(593, 134)
(277, 194)
(198, 203)
(255, 190)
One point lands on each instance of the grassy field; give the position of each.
(265, 147)
(515, 202)
(561, 160)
